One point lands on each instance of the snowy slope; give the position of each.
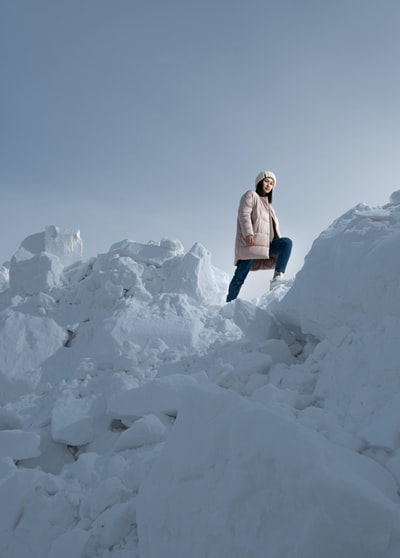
(142, 416)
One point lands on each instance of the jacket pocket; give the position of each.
(261, 239)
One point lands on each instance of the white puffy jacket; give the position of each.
(255, 216)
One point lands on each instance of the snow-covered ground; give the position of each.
(141, 416)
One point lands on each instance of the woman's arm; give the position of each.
(244, 216)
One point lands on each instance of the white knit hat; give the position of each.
(265, 174)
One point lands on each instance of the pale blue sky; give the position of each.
(145, 119)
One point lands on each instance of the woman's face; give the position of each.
(268, 184)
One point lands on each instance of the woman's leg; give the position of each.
(241, 272)
(282, 248)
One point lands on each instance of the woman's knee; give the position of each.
(287, 241)
(281, 244)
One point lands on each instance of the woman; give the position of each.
(259, 244)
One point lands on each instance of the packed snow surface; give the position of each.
(141, 416)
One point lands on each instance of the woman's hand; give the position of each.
(249, 239)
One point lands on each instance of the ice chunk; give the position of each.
(151, 253)
(195, 276)
(71, 420)
(113, 525)
(18, 444)
(70, 543)
(39, 262)
(110, 492)
(145, 431)
(395, 197)
(162, 395)
(25, 341)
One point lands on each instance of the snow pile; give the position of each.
(237, 479)
(351, 272)
(142, 416)
(347, 296)
(38, 264)
(4, 275)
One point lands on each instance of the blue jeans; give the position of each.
(280, 247)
